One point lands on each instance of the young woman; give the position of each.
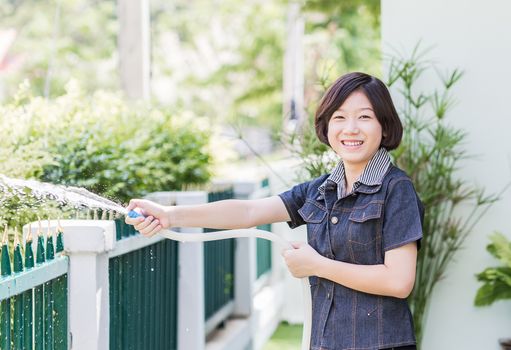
(364, 223)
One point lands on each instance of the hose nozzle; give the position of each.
(133, 214)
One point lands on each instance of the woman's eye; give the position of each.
(338, 117)
(365, 117)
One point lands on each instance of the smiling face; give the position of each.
(354, 132)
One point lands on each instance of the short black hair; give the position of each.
(375, 91)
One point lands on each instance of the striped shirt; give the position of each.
(372, 175)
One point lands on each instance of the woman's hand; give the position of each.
(155, 218)
(303, 260)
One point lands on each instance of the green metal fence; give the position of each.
(33, 297)
(218, 265)
(263, 253)
(122, 230)
(143, 296)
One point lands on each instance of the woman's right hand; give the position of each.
(155, 216)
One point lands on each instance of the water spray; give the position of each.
(76, 196)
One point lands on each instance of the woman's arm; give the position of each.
(395, 277)
(226, 214)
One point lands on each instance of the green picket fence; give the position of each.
(144, 285)
(263, 254)
(143, 295)
(33, 296)
(218, 265)
(122, 230)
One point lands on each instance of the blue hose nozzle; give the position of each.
(133, 214)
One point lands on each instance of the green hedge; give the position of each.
(103, 143)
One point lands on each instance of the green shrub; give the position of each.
(113, 148)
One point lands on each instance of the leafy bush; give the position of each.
(496, 280)
(102, 143)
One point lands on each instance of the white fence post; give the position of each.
(191, 309)
(87, 244)
(191, 305)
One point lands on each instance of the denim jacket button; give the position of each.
(334, 220)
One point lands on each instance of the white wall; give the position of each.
(476, 37)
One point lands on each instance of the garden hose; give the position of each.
(241, 233)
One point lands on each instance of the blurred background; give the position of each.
(126, 98)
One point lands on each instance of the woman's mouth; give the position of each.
(352, 143)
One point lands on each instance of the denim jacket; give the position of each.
(357, 229)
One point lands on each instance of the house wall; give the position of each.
(475, 37)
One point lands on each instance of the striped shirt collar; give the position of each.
(372, 175)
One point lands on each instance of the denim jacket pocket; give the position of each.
(370, 211)
(364, 227)
(314, 216)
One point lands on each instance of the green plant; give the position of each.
(496, 280)
(430, 152)
(101, 142)
(316, 157)
(122, 150)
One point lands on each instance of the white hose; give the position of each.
(217, 235)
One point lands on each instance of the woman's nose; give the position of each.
(351, 126)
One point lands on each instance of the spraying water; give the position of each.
(66, 195)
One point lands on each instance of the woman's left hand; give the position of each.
(303, 260)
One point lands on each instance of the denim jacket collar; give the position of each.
(369, 182)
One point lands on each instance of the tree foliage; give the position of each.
(229, 54)
(59, 40)
(222, 59)
(341, 36)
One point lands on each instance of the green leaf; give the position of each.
(492, 292)
(500, 248)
